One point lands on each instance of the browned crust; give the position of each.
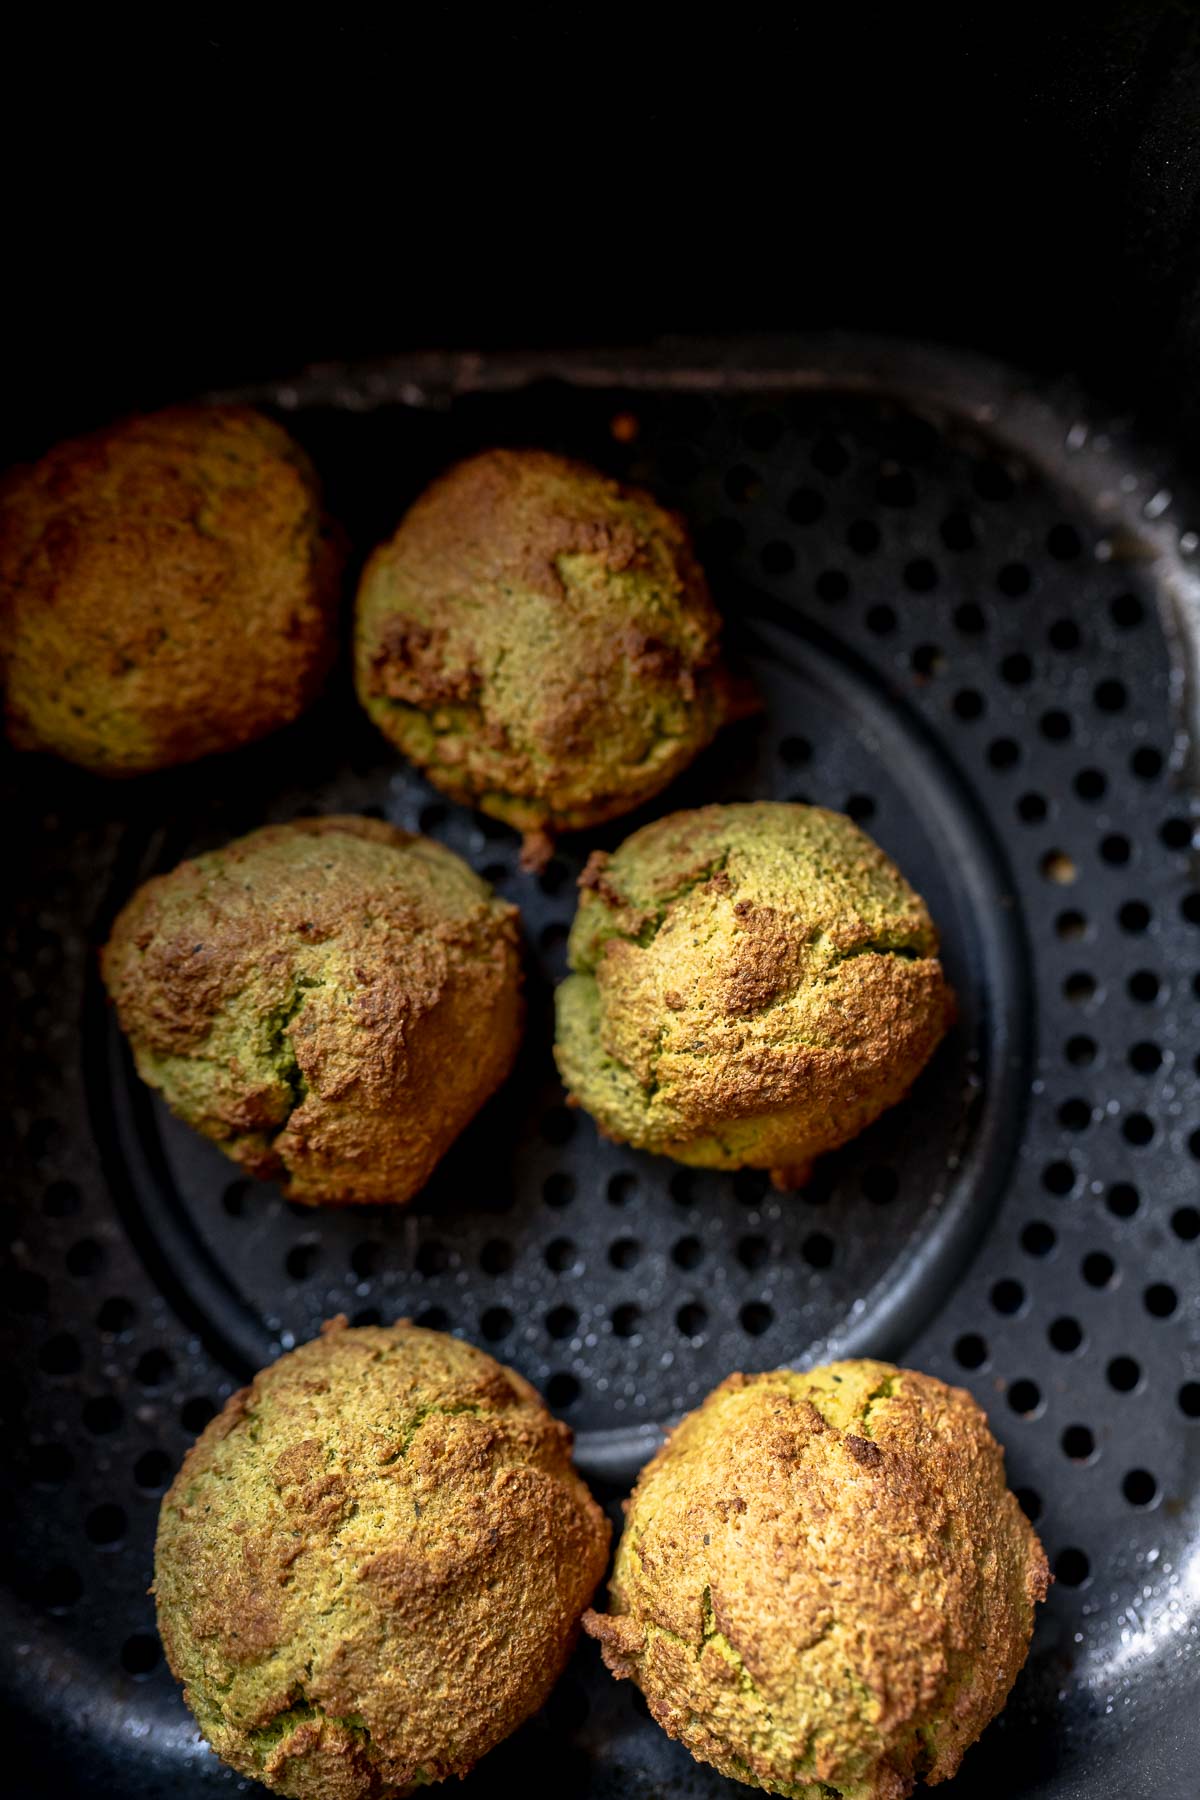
(371, 1565)
(765, 984)
(331, 1000)
(168, 588)
(824, 1578)
(541, 640)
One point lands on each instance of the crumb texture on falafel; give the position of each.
(168, 589)
(330, 1000)
(825, 1587)
(751, 985)
(372, 1564)
(541, 641)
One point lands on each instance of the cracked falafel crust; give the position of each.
(371, 1566)
(168, 589)
(824, 1586)
(751, 985)
(331, 1001)
(540, 640)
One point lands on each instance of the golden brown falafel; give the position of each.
(751, 985)
(541, 642)
(371, 1566)
(824, 1587)
(331, 1001)
(168, 588)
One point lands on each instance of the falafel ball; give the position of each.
(824, 1587)
(331, 1001)
(168, 588)
(540, 641)
(751, 985)
(371, 1566)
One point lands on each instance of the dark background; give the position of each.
(216, 200)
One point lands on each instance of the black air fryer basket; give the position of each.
(972, 609)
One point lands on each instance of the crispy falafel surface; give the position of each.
(371, 1566)
(168, 588)
(331, 1001)
(540, 640)
(824, 1586)
(751, 985)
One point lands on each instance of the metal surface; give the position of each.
(971, 612)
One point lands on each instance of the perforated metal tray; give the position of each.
(972, 612)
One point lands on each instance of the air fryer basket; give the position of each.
(972, 611)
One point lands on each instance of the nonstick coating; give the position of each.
(971, 615)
